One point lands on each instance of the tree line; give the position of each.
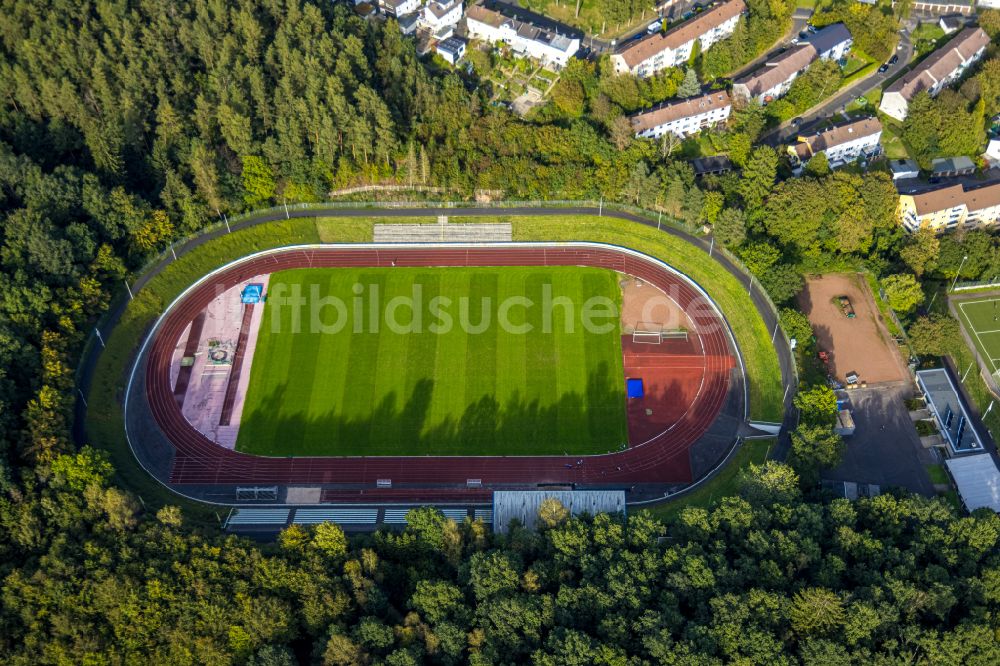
(126, 125)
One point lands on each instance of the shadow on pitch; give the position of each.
(572, 421)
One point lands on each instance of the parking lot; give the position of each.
(885, 448)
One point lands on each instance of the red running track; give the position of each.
(663, 458)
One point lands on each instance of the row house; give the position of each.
(939, 69)
(776, 76)
(842, 144)
(950, 208)
(658, 51)
(522, 36)
(684, 118)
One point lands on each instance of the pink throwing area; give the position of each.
(215, 348)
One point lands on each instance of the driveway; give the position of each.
(885, 448)
(799, 21)
(834, 105)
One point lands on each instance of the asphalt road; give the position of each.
(89, 360)
(799, 21)
(834, 105)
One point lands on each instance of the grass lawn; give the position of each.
(893, 145)
(104, 416)
(752, 336)
(724, 484)
(926, 38)
(406, 387)
(981, 318)
(104, 427)
(937, 474)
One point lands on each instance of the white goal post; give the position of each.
(647, 337)
(654, 334)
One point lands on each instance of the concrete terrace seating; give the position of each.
(258, 517)
(438, 233)
(339, 516)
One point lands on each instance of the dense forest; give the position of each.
(124, 125)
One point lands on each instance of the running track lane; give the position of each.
(662, 459)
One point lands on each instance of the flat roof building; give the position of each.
(904, 169)
(946, 167)
(949, 411)
(977, 480)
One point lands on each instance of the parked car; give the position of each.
(883, 69)
(811, 28)
(894, 59)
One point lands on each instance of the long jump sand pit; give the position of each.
(861, 345)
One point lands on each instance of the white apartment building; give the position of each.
(775, 77)
(523, 37)
(399, 8)
(438, 15)
(652, 53)
(950, 208)
(832, 42)
(683, 118)
(842, 144)
(941, 68)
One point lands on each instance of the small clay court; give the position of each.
(861, 344)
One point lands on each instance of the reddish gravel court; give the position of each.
(687, 384)
(862, 344)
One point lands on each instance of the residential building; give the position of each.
(524, 37)
(904, 169)
(438, 16)
(950, 207)
(684, 118)
(992, 154)
(950, 167)
(831, 42)
(451, 49)
(952, 23)
(399, 8)
(408, 23)
(841, 144)
(943, 6)
(775, 77)
(716, 165)
(364, 9)
(652, 53)
(939, 69)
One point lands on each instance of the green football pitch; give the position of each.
(981, 318)
(420, 387)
